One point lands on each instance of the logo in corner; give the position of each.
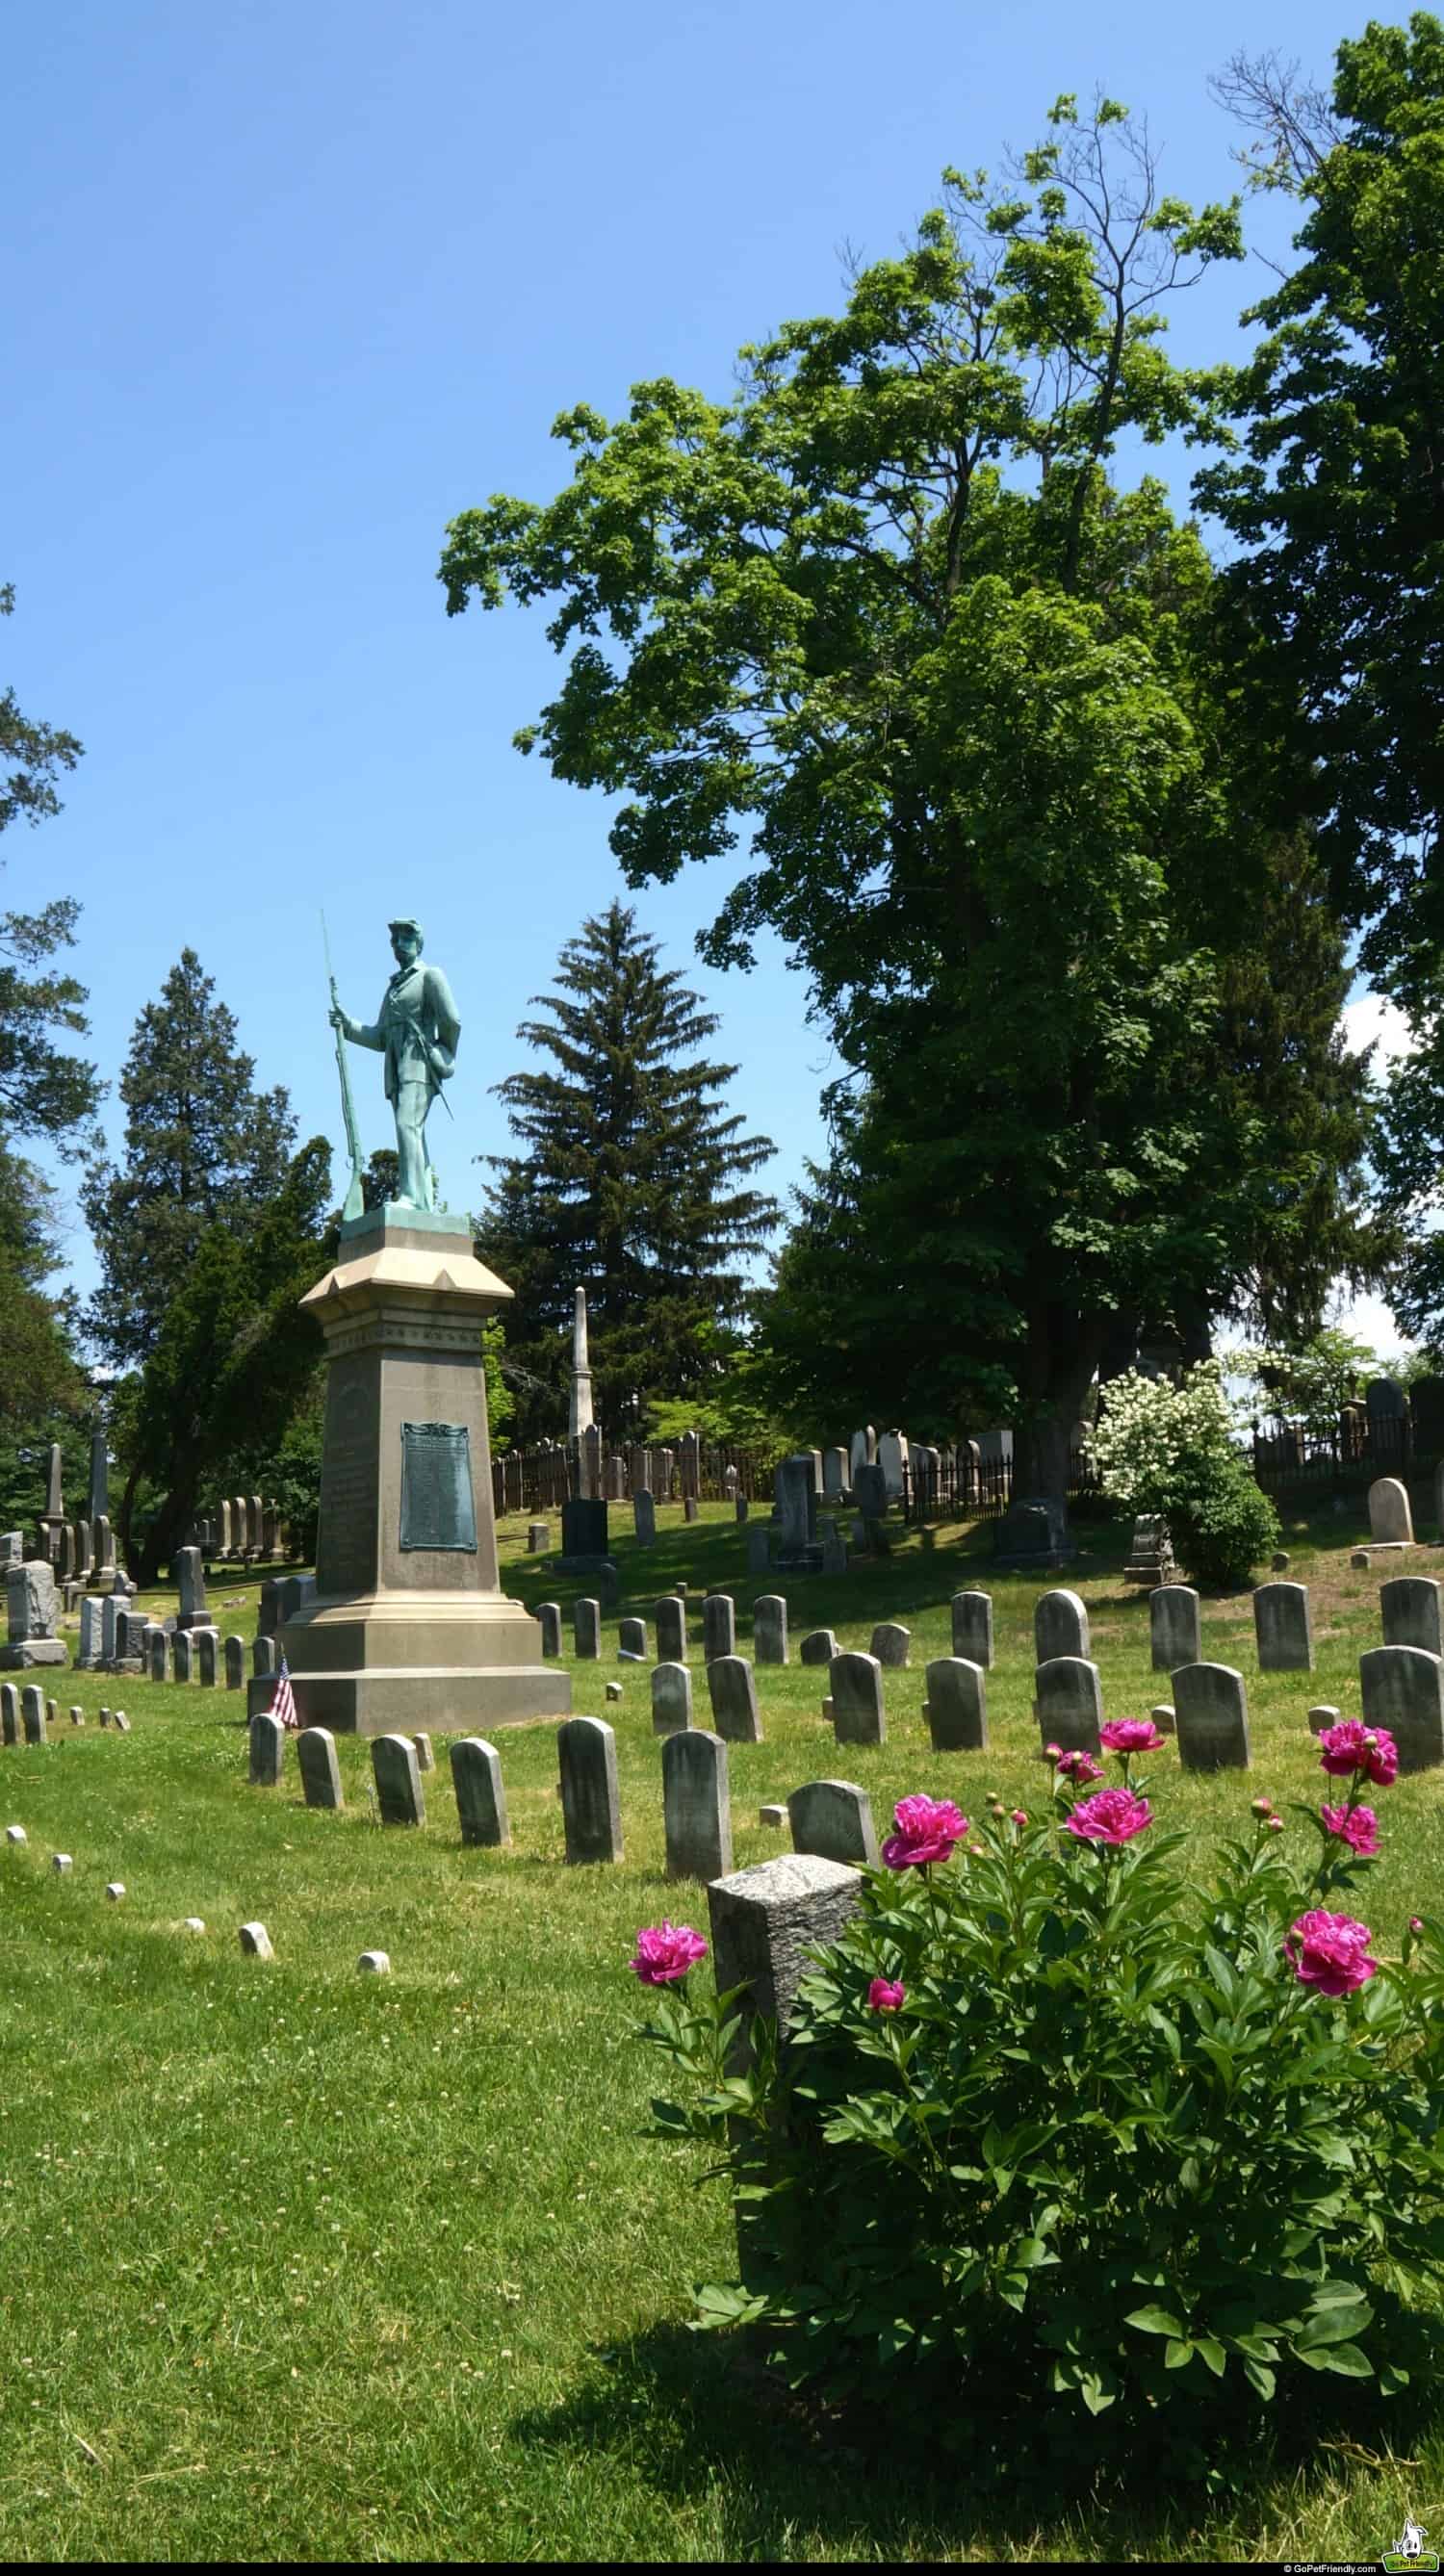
(1409, 2553)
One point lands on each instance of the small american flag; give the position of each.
(283, 1705)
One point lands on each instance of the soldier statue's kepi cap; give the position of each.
(409, 922)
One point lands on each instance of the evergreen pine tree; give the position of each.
(628, 1185)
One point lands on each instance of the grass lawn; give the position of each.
(300, 2264)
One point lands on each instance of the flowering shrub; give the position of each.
(1170, 1450)
(1061, 2117)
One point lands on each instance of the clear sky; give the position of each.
(289, 282)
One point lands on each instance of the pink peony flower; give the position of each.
(665, 1952)
(1416, 1922)
(1051, 1753)
(1111, 1816)
(1020, 1815)
(884, 1996)
(1356, 1826)
(1353, 1747)
(1329, 1951)
(1263, 1806)
(927, 1829)
(1130, 1735)
(1273, 1824)
(1079, 1768)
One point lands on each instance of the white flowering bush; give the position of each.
(1171, 1450)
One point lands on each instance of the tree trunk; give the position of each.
(1060, 1356)
(168, 1530)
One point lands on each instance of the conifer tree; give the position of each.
(631, 1183)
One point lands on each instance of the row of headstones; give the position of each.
(115, 1638)
(240, 1530)
(74, 1551)
(27, 1716)
(890, 1640)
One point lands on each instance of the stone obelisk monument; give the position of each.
(580, 1416)
(409, 1626)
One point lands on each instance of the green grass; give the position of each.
(329, 2267)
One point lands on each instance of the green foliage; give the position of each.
(628, 1187)
(500, 1401)
(1109, 2152)
(1221, 1522)
(1170, 1450)
(43, 1092)
(1310, 1383)
(732, 1406)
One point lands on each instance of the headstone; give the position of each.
(1060, 1627)
(892, 1457)
(99, 1474)
(1409, 1607)
(733, 1694)
(61, 1861)
(549, 1615)
(104, 1550)
(538, 1538)
(67, 1553)
(1175, 1627)
(1359, 1560)
(855, 1689)
(180, 1651)
(759, 1549)
(797, 1505)
(632, 1640)
(1281, 1628)
(870, 1494)
(320, 1770)
(191, 1578)
(834, 1548)
(696, 1809)
(397, 1772)
(591, 1809)
(264, 1660)
(156, 1644)
(956, 1707)
(32, 1713)
(817, 1647)
(719, 1625)
(669, 1619)
(616, 1477)
(644, 1517)
(268, 1751)
(832, 1819)
(1390, 1520)
(9, 1712)
(297, 1592)
(890, 1643)
(731, 1483)
(768, 1814)
(256, 1941)
(425, 1751)
(16, 1834)
(112, 1612)
(1402, 1689)
(834, 1474)
(84, 1557)
(1150, 1552)
(31, 1604)
(1323, 1717)
(374, 1963)
(973, 1628)
(1212, 1712)
(1068, 1702)
(479, 1796)
(857, 1456)
(769, 1628)
(671, 1698)
(1032, 1534)
(235, 1653)
(205, 1642)
(587, 1630)
(77, 1717)
(12, 1549)
(1386, 1400)
(765, 1924)
(115, 1890)
(690, 1507)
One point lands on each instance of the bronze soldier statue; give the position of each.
(416, 1029)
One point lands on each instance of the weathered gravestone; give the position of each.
(397, 1773)
(759, 1549)
(31, 1605)
(972, 1614)
(92, 1633)
(267, 1738)
(833, 1820)
(9, 1712)
(644, 1515)
(889, 1642)
(156, 1645)
(205, 1642)
(696, 1809)
(719, 1625)
(182, 1663)
(549, 1617)
(263, 1658)
(235, 1653)
(797, 1508)
(319, 1768)
(632, 1640)
(855, 1695)
(733, 1693)
(587, 1630)
(1282, 1629)
(671, 1698)
(591, 1808)
(1409, 1607)
(669, 1620)
(766, 1922)
(1211, 1706)
(834, 1474)
(1060, 1627)
(817, 1647)
(1323, 1717)
(1033, 1534)
(32, 1713)
(538, 1538)
(191, 1578)
(769, 1628)
(1174, 1627)
(480, 1798)
(1390, 1520)
(1068, 1701)
(956, 1707)
(1402, 1688)
(425, 1751)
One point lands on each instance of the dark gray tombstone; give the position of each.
(855, 1689)
(591, 1808)
(733, 1693)
(1409, 1608)
(480, 1798)
(1402, 1688)
(267, 1737)
(759, 1549)
(1281, 1628)
(549, 1618)
(587, 1630)
(765, 1924)
(669, 1620)
(632, 1638)
(696, 1808)
(817, 1647)
(769, 1628)
(204, 1641)
(156, 1646)
(832, 1819)
(644, 1515)
(1211, 1705)
(264, 1659)
(319, 1768)
(9, 1712)
(796, 1487)
(235, 1654)
(181, 1659)
(956, 1707)
(1174, 1626)
(191, 1579)
(1068, 1702)
(397, 1773)
(1060, 1628)
(1033, 1534)
(890, 1643)
(671, 1698)
(719, 1625)
(973, 1628)
(32, 1713)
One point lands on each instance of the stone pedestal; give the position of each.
(408, 1626)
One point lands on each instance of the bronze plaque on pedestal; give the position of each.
(438, 1508)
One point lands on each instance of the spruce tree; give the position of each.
(630, 1184)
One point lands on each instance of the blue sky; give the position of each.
(291, 284)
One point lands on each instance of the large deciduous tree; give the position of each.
(632, 1185)
(885, 618)
(44, 1090)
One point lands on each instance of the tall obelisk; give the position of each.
(580, 1417)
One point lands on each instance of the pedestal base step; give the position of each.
(440, 1699)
